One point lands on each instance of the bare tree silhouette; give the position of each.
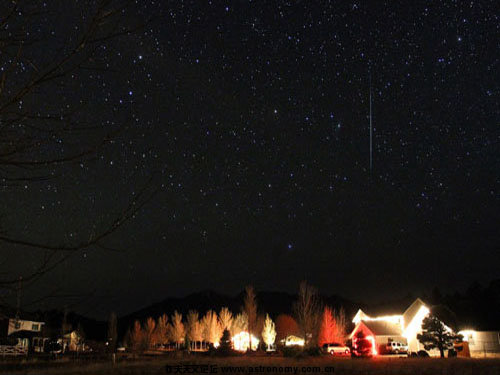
(40, 139)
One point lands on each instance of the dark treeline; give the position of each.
(475, 307)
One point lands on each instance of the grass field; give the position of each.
(261, 365)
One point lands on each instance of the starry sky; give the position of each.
(250, 120)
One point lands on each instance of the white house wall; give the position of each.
(23, 325)
(482, 343)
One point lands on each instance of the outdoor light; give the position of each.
(241, 341)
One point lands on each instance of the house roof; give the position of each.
(360, 315)
(383, 328)
(411, 311)
(388, 308)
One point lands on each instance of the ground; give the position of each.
(256, 365)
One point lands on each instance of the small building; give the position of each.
(243, 341)
(292, 340)
(482, 343)
(73, 342)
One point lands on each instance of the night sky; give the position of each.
(250, 120)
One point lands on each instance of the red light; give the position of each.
(372, 340)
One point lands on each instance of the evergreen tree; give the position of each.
(363, 346)
(225, 343)
(436, 335)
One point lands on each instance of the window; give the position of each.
(17, 325)
(35, 327)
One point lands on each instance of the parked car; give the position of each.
(336, 349)
(396, 347)
(54, 347)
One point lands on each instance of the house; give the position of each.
(382, 332)
(244, 341)
(72, 341)
(402, 327)
(24, 333)
(292, 340)
(16, 324)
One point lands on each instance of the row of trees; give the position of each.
(316, 323)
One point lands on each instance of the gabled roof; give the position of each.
(360, 315)
(411, 311)
(383, 328)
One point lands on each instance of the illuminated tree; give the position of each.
(332, 327)
(194, 330)
(436, 335)
(226, 318)
(112, 331)
(176, 330)
(137, 338)
(149, 329)
(212, 328)
(341, 320)
(269, 332)
(307, 311)
(250, 309)
(285, 326)
(240, 323)
(328, 328)
(160, 335)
